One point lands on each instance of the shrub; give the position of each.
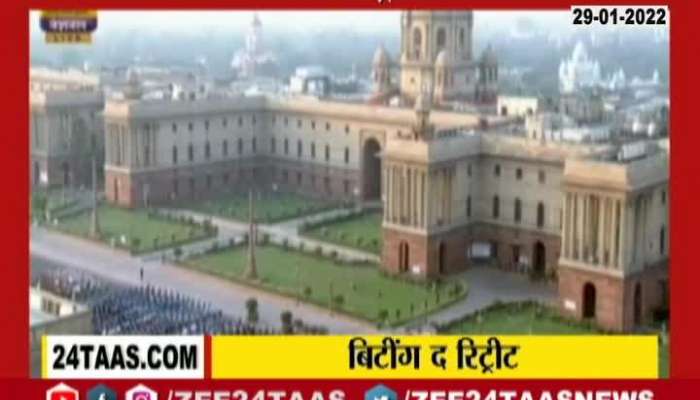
(135, 243)
(318, 250)
(264, 239)
(307, 291)
(177, 252)
(285, 244)
(382, 315)
(338, 300)
(286, 318)
(251, 306)
(398, 314)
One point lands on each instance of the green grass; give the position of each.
(269, 207)
(151, 232)
(363, 232)
(529, 318)
(364, 289)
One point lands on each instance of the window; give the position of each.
(273, 119)
(663, 197)
(254, 145)
(298, 178)
(662, 240)
(174, 128)
(328, 152)
(519, 174)
(541, 177)
(313, 125)
(207, 150)
(240, 146)
(313, 150)
(273, 145)
(224, 122)
(299, 123)
(208, 182)
(224, 148)
(206, 125)
(252, 120)
(299, 148)
(286, 121)
(469, 206)
(286, 146)
(469, 170)
(328, 126)
(517, 212)
(190, 126)
(497, 170)
(174, 154)
(240, 121)
(461, 37)
(540, 214)
(496, 207)
(441, 38)
(346, 186)
(190, 152)
(347, 155)
(347, 128)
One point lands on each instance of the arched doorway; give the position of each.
(371, 170)
(539, 256)
(638, 304)
(589, 300)
(441, 258)
(65, 169)
(403, 257)
(37, 174)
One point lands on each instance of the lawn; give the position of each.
(142, 232)
(318, 279)
(363, 232)
(269, 207)
(56, 199)
(529, 318)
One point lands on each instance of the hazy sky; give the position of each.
(367, 21)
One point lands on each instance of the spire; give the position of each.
(252, 271)
(95, 223)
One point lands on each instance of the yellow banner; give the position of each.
(319, 357)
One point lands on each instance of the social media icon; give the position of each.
(101, 392)
(62, 392)
(380, 392)
(141, 392)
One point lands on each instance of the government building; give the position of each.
(455, 186)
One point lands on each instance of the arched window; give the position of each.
(224, 148)
(299, 148)
(540, 214)
(207, 150)
(328, 152)
(174, 154)
(662, 240)
(190, 152)
(441, 40)
(240, 146)
(313, 150)
(496, 207)
(254, 145)
(417, 42)
(273, 145)
(517, 212)
(461, 38)
(286, 146)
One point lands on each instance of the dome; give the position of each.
(489, 56)
(442, 59)
(381, 57)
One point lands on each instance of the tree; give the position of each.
(251, 306)
(287, 322)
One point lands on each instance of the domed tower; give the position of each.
(132, 90)
(487, 87)
(381, 65)
(426, 34)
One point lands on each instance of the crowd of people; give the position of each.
(141, 310)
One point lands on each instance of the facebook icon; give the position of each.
(380, 392)
(101, 392)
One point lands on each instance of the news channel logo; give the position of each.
(101, 392)
(141, 392)
(68, 26)
(380, 392)
(62, 392)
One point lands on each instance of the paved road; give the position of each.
(118, 266)
(488, 285)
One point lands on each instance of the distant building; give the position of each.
(253, 61)
(310, 80)
(579, 71)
